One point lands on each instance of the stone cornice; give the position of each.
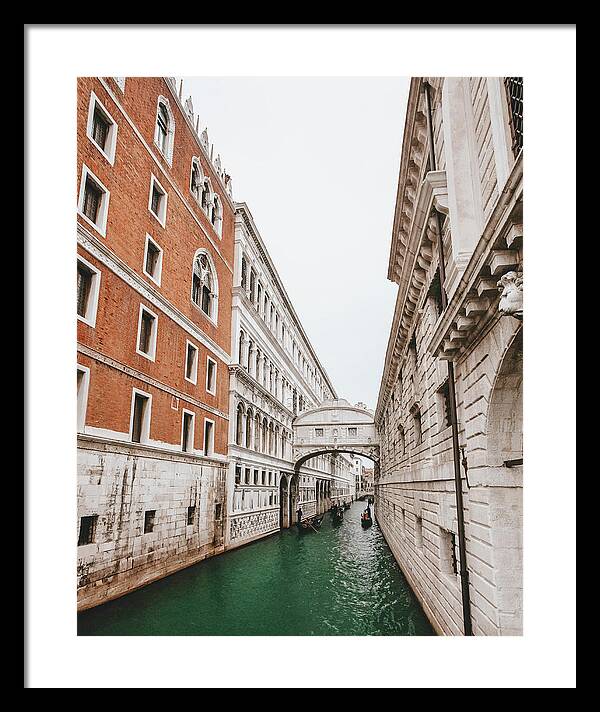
(498, 251)
(93, 442)
(243, 210)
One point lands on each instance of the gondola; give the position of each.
(310, 524)
(365, 521)
(338, 514)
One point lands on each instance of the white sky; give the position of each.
(317, 160)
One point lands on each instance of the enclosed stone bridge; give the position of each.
(335, 426)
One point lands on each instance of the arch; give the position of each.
(164, 128)
(257, 432)
(249, 422)
(505, 410)
(239, 424)
(205, 285)
(196, 179)
(216, 214)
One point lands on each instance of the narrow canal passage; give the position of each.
(341, 580)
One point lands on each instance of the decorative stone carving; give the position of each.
(510, 286)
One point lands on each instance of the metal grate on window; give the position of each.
(91, 201)
(84, 283)
(514, 94)
(100, 129)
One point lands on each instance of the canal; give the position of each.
(341, 580)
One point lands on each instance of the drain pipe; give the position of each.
(460, 513)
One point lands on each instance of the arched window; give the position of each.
(204, 285)
(241, 348)
(216, 214)
(271, 439)
(283, 444)
(263, 436)
(239, 424)
(196, 179)
(257, 433)
(276, 441)
(248, 442)
(205, 194)
(164, 132)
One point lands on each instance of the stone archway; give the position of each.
(505, 412)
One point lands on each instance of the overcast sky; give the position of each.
(316, 159)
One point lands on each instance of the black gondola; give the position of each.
(338, 514)
(366, 520)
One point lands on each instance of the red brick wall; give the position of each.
(115, 333)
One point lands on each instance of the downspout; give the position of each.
(460, 513)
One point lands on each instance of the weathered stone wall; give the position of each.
(120, 483)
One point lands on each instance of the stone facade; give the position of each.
(155, 228)
(473, 192)
(275, 376)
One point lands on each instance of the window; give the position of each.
(196, 180)
(514, 95)
(157, 203)
(93, 201)
(205, 196)
(191, 362)
(252, 283)
(444, 405)
(140, 417)
(153, 260)
(448, 560)
(209, 437)
(88, 289)
(149, 517)
(218, 510)
(191, 515)
(216, 214)
(418, 429)
(352, 432)
(244, 276)
(319, 432)
(83, 381)
(239, 425)
(164, 132)
(419, 532)
(435, 295)
(147, 328)
(238, 475)
(187, 431)
(87, 530)
(204, 285)
(402, 440)
(102, 129)
(211, 377)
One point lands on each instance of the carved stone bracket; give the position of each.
(510, 286)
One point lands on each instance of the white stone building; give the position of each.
(275, 375)
(456, 337)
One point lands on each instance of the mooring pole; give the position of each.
(460, 512)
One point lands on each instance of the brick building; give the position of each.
(155, 235)
(459, 193)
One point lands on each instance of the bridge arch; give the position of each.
(335, 426)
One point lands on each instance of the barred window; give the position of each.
(514, 95)
(92, 199)
(162, 121)
(87, 530)
(84, 286)
(149, 517)
(100, 128)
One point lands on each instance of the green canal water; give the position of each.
(342, 580)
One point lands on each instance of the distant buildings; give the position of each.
(460, 191)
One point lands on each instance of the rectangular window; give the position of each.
(149, 517)
(319, 432)
(248, 475)
(218, 510)
(419, 533)
(140, 425)
(352, 432)
(102, 129)
(238, 475)
(87, 530)
(153, 255)
(191, 363)
(448, 560)
(211, 376)
(93, 201)
(209, 437)
(191, 515)
(83, 380)
(417, 426)
(187, 431)
(158, 201)
(444, 405)
(147, 328)
(88, 287)
(514, 95)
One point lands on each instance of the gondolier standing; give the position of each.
(299, 514)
